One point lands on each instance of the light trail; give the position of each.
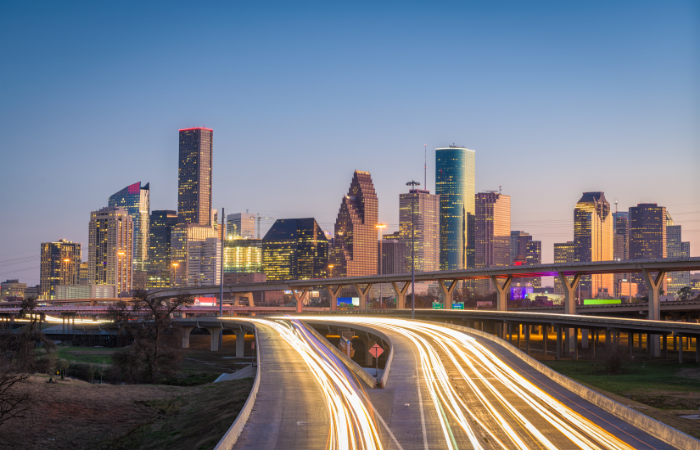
(352, 424)
(489, 404)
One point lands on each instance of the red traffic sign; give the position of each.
(376, 350)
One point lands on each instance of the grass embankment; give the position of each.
(662, 390)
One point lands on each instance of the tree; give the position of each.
(155, 348)
(685, 293)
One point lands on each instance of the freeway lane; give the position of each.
(484, 397)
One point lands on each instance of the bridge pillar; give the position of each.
(239, 295)
(447, 291)
(300, 299)
(653, 288)
(240, 343)
(584, 337)
(214, 334)
(186, 336)
(334, 291)
(502, 292)
(400, 294)
(570, 305)
(363, 294)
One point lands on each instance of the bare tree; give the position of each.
(155, 350)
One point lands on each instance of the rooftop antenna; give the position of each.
(499, 188)
(425, 167)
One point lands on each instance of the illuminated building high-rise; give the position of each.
(455, 184)
(204, 262)
(420, 209)
(60, 265)
(518, 247)
(395, 255)
(676, 248)
(593, 236)
(563, 253)
(110, 259)
(621, 246)
(492, 229)
(295, 249)
(354, 251)
(194, 202)
(242, 255)
(182, 237)
(647, 231)
(159, 259)
(240, 225)
(135, 199)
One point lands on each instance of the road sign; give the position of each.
(458, 305)
(376, 350)
(437, 305)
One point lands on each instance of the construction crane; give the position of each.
(262, 218)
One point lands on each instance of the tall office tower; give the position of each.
(354, 251)
(240, 225)
(455, 184)
(621, 246)
(136, 200)
(60, 264)
(393, 255)
(159, 258)
(182, 237)
(593, 236)
(204, 262)
(533, 256)
(518, 247)
(675, 248)
(421, 210)
(492, 229)
(647, 231)
(195, 176)
(110, 258)
(243, 255)
(563, 254)
(295, 249)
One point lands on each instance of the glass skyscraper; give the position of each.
(421, 210)
(136, 200)
(110, 259)
(159, 260)
(60, 265)
(295, 249)
(455, 184)
(593, 236)
(194, 179)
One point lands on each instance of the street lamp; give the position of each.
(413, 185)
(380, 226)
(330, 267)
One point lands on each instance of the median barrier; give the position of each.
(655, 428)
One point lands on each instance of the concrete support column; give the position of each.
(680, 352)
(447, 292)
(214, 338)
(363, 294)
(569, 302)
(664, 340)
(654, 291)
(595, 341)
(575, 344)
(186, 336)
(584, 338)
(558, 343)
(527, 339)
(545, 332)
(697, 350)
(502, 290)
(240, 343)
(400, 294)
(300, 299)
(334, 291)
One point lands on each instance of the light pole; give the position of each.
(413, 185)
(380, 226)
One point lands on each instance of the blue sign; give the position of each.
(458, 305)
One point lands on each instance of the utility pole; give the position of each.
(413, 185)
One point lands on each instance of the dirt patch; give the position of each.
(670, 400)
(91, 352)
(690, 373)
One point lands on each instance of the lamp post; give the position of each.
(380, 226)
(413, 185)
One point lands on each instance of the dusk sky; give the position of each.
(556, 98)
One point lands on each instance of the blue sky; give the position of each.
(556, 98)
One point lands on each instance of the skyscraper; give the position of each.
(182, 237)
(394, 255)
(492, 229)
(676, 248)
(110, 259)
(243, 255)
(563, 253)
(420, 209)
(159, 258)
(354, 250)
(60, 265)
(593, 236)
(647, 231)
(533, 256)
(194, 202)
(518, 247)
(455, 184)
(295, 249)
(621, 246)
(204, 262)
(240, 225)
(136, 200)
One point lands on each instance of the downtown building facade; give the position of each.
(354, 252)
(110, 257)
(564, 253)
(204, 262)
(676, 248)
(295, 249)
(183, 238)
(395, 255)
(621, 251)
(243, 255)
(455, 185)
(593, 237)
(647, 237)
(419, 223)
(492, 233)
(194, 192)
(60, 265)
(240, 225)
(136, 200)
(12, 289)
(525, 251)
(160, 268)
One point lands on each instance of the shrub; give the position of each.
(613, 360)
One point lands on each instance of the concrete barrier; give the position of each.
(229, 439)
(655, 428)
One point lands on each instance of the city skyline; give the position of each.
(526, 131)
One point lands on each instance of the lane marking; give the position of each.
(420, 401)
